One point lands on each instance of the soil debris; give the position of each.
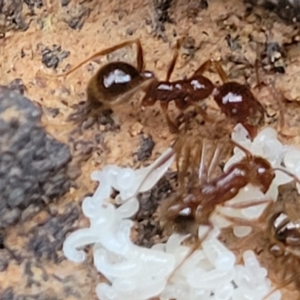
(11, 16)
(147, 224)
(51, 57)
(289, 11)
(146, 146)
(17, 85)
(160, 16)
(4, 259)
(76, 16)
(46, 240)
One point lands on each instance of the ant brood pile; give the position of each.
(209, 272)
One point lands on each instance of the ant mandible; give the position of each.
(116, 82)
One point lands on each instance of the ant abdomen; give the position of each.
(238, 103)
(113, 80)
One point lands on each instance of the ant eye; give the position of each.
(261, 170)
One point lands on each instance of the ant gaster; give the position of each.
(116, 82)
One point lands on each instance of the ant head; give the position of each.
(261, 173)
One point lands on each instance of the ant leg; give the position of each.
(250, 223)
(174, 59)
(213, 162)
(250, 203)
(196, 163)
(184, 167)
(202, 113)
(239, 221)
(139, 56)
(191, 251)
(248, 154)
(140, 60)
(172, 126)
(208, 64)
(246, 204)
(202, 167)
(204, 67)
(220, 71)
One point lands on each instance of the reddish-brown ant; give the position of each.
(203, 194)
(198, 198)
(116, 82)
(277, 227)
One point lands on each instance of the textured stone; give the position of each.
(33, 165)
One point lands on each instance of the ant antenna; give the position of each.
(98, 53)
(157, 164)
(285, 171)
(246, 151)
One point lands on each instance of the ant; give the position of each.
(278, 226)
(116, 82)
(198, 199)
(113, 84)
(203, 193)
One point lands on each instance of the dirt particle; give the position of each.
(203, 4)
(47, 239)
(8, 294)
(129, 31)
(287, 10)
(4, 260)
(148, 228)
(17, 85)
(64, 2)
(52, 57)
(146, 146)
(76, 16)
(51, 111)
(160, 15)
(12, 17)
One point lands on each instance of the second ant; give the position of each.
(116, 82)
(199, 193)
